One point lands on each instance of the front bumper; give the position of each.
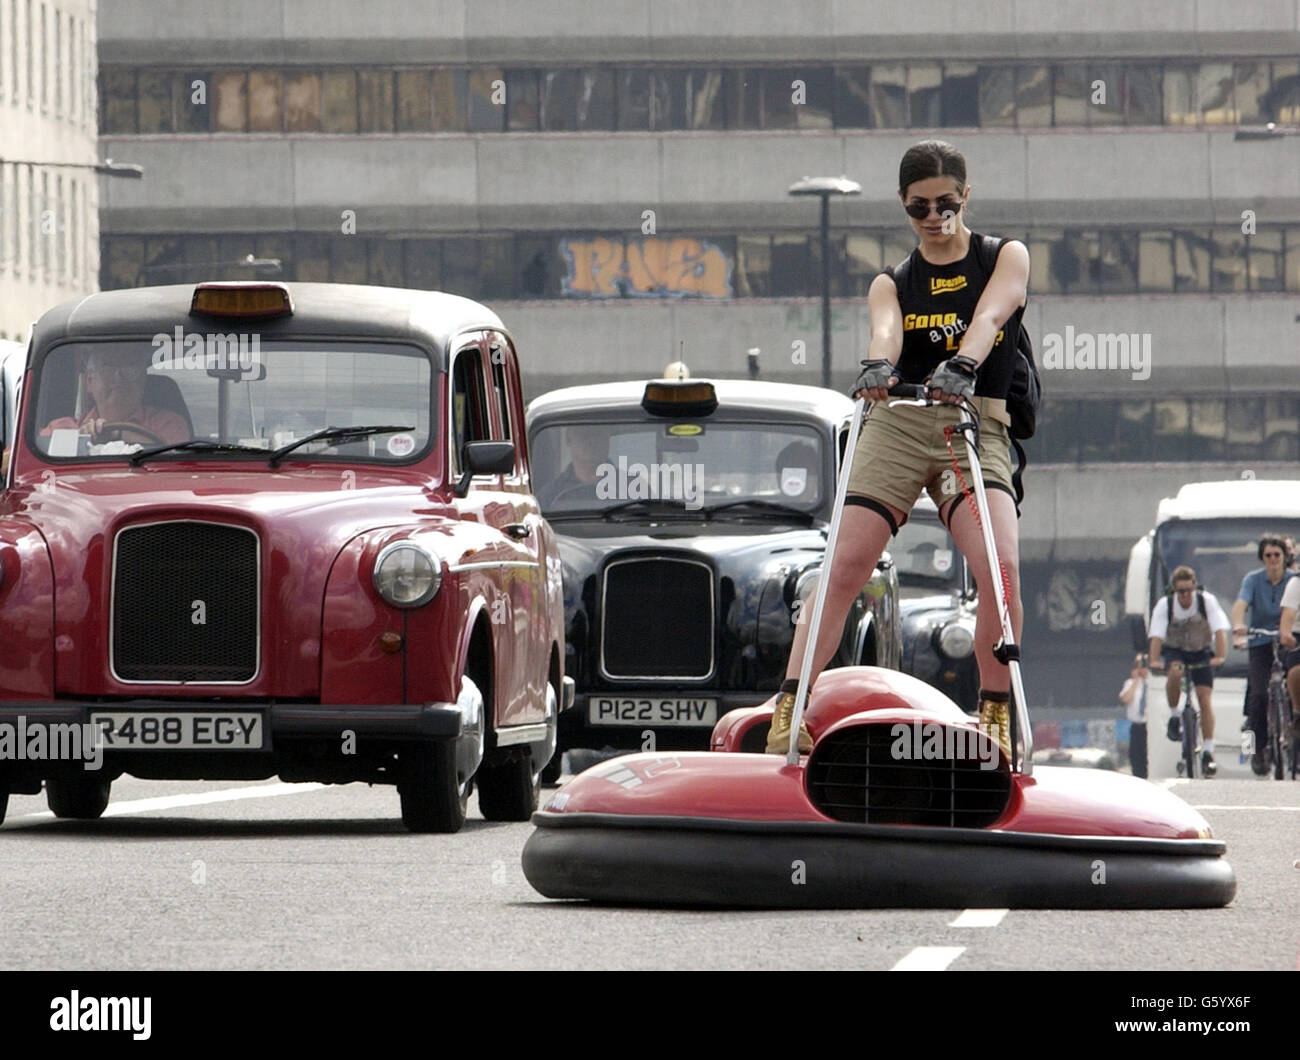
(401, 721)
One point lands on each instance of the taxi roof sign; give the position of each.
(241, 299)
(679, 397)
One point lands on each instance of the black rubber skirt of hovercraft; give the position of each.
(724, 864)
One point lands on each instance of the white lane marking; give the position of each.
(1208, 806)
(974, 918)
(175, 802)
(929, 959)
(1172, 781)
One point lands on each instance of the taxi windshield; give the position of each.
(112, 399)
(925, 556)
(585, 466)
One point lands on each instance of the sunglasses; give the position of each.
(921, 210)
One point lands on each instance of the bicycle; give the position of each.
(1282, 751)
(1190, 716)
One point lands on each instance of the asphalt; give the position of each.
(327, 878)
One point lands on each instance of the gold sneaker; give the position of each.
(995, 722)
(778, 736)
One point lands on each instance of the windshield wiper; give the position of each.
(644, 505)
(333, 434)
(761, 507)
(201, 444)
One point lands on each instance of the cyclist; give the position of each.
(1288, 628)
(1184, 625)
(953, 325)
(1261, 593)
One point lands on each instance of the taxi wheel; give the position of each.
(77, 797)
(4, 805)
(509, 790)
(432, 800)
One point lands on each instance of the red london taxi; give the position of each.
(253, 530)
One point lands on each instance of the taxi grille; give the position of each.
(875, 774)
(185, 603)
(658, 619)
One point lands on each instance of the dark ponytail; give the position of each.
(931, 158)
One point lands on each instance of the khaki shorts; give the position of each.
(901, 452)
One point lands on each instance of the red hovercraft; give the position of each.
(903, 802)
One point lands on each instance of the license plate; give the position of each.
(621, 710)
(180, 731)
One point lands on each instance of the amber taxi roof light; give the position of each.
(674, 397)
(237, 299)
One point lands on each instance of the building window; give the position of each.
(265, 102)
(997, 96)
(302, 102)
(414, 100)
(375, 97)
(888, 96)
(853, 97)
(230, 102)
(487, 111)
(959, 96)
(338, 91)
(924, 95)
(118, 102)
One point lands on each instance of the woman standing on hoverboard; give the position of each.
(954, 327)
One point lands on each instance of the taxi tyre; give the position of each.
(553, 769)
(4, 805)
(508, 790)
(80, 798)
(432, 799)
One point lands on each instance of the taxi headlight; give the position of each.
(406, 575)
(957, 639)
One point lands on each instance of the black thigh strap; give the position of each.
(875, 506)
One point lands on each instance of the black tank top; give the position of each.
(938, 304)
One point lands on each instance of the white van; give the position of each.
(1214, 528)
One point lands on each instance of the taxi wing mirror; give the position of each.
(486, 458)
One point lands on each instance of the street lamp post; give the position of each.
(825, 187)
(106, 168)
(1269, 131)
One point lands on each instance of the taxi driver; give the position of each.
(114, 383)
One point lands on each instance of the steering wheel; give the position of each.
(134, 428)
(575, 487)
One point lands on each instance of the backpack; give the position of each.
(1026, 392)
(1025, 395)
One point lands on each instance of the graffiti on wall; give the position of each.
(648, 267)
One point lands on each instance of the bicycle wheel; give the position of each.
(1191, 726)
(1276, 721)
